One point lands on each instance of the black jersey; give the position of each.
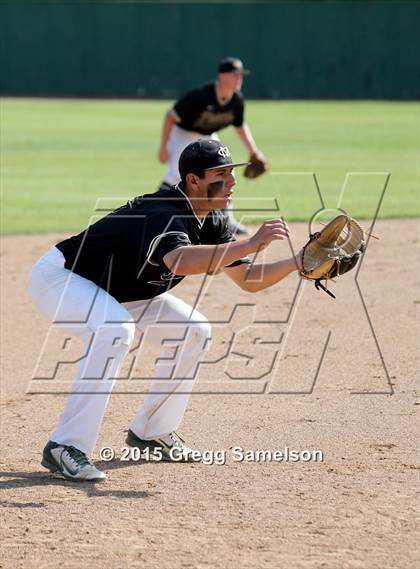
(200, 111)
(123, 252)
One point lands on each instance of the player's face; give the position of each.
(232, 80)
(237, 79)
(219, 187)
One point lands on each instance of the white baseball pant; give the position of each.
(107, 328)
(178, 140)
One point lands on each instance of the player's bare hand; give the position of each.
(163, 154)
(271, 230)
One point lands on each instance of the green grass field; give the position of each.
(60, 156)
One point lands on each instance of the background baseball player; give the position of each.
(201, 113)
(115, 276)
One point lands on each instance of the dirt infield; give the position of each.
(307, 374)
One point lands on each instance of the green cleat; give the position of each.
(71, 462)
(170, 447)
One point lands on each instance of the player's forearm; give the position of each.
(197, 259)
(245, 134)
(262, 276)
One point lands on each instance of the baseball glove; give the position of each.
(257, 165)
(333, 251)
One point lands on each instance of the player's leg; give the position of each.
(183, 334)
(80, 308)
(235, 226)
(178, 140)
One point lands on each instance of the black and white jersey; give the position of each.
(200, 110)
(123, 252)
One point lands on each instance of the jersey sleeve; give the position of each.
(218, 232)
(165, 234)
(188, 107)
(238, 112)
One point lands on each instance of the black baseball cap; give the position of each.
(229, 64)
(204, 154)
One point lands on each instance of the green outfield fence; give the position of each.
(296, 49)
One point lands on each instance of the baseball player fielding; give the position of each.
(117, 275)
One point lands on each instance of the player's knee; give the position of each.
(201, 330)
(117, 335)
(126, 333)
